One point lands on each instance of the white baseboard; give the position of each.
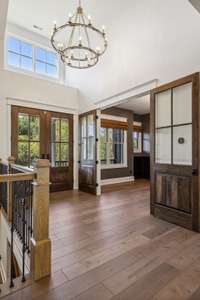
(117, 180)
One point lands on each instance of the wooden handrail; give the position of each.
(21, 168)
(17, 177)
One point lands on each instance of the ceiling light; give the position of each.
(78, 42)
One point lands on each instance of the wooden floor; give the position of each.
(111, 248)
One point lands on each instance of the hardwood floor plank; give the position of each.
(148, 285)
(184, 285)
(98, 292)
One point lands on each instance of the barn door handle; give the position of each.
(194, 172)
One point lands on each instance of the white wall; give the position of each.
(30, 91)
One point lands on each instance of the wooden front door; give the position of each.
(175, 152)
(88, 152)
(47, 135)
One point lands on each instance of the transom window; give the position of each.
(113, 147)
(27, 57)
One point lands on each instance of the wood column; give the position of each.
(40, 242)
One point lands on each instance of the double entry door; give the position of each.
(47, 135)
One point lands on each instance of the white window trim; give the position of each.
(118, 166)
(57, 79)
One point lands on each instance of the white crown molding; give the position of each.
(40, 105)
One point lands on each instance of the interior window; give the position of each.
(113, 146)
(137, 141)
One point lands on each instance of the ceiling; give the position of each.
(148, 39)
(139, 105)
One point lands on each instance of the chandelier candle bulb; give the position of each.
(89, 20)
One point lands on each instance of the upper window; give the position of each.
(27, 57)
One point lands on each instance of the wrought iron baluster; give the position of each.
(23, 204)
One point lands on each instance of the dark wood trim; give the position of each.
(174, 84)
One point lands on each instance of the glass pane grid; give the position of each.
(59, 142)
(20, 55)
(178, 134)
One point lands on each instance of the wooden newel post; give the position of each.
(11, 161)
(40, 242)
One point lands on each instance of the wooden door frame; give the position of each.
(189, 221)
(44, 129)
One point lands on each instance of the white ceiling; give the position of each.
(148, 39)
(139, 105)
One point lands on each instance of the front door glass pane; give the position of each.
(28, 146)
(59, 142)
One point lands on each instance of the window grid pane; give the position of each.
(20, 55)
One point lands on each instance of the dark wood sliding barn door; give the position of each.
(175, 152)
(88, 152)
(47, 135)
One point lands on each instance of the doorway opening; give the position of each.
(125, 143)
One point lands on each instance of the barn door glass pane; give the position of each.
(182, 145)
(163, 146)
(87, 142)
(163, 109)
(182, 104)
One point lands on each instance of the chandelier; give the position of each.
(78, 42)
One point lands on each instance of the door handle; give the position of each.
(194, 172)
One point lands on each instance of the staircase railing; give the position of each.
(24, 200)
